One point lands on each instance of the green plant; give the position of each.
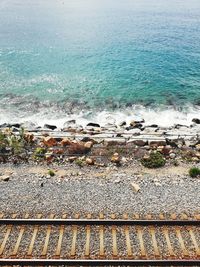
(51, 173)
(194, 172)
(40, 152)
(15, 143)
(79, 162)
(3, 142)
(154, 160)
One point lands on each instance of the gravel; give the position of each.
(33, 193)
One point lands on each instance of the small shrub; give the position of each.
(155, 160)
(194, 172)
(39, 152)
(79, 162)
(51, 173)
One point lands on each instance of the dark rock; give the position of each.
(4, 125)
(123, 123)
(51, 127)
(16, 125)
(91, 124)
(175, 142)
(178, 126)
(133, 126)
(195, 120)
(153, 126)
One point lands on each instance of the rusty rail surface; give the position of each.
(14, 231)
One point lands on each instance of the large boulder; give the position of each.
(49, 141)
(50, 127)
(196, 120)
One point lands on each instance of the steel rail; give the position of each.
(119, 222)
(90, 262)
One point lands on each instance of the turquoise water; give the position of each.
(98, 54)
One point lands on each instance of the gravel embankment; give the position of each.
(34, 193)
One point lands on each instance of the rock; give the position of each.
(88, 145)
(114, 141)
(175, 142)
(49, 141)
(195, 120)
(87, 139)
(89, 161)
(123, 123)
(124, 160)
(157, 143)
(133, 125)
(135, 187)
(165, 150)
(172, 155)
(138, 142)
(139, 153)
(70, 123)
(95, 125)
(15, 125)
(5, 178)
(115, 158)
(65, 142)
(198, 146)
(29, 137)
(197, 155)
(76, 148)
(153, 126)
(72, 159)
(157, 184)
(51, 127)
(117, 180)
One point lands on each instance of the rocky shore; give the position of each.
(119, 168)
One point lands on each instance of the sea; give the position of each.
(99, 60)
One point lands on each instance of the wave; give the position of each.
(23, 109)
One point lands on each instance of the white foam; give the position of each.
(163, 117)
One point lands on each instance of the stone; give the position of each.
(153, 126)
(89, 161)
(29, 137)
(135, 187)
(198, 146)
(49, 141)
(157, 143)
(165, 150)
(139, 153)
(172, 155)
(76, 148)
(95, 125)
(115, 158)
(72, 159)
(65, 142)
(69, 123)
(195, 120)
(197, 155)
(5, 178)
(138, 142)
(50, 127)
(117, 180)
(88, 144)
(123, 123)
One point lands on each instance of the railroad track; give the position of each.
(100, 242)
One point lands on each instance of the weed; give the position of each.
(51, 173)
(154, 160)
(194, 172)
